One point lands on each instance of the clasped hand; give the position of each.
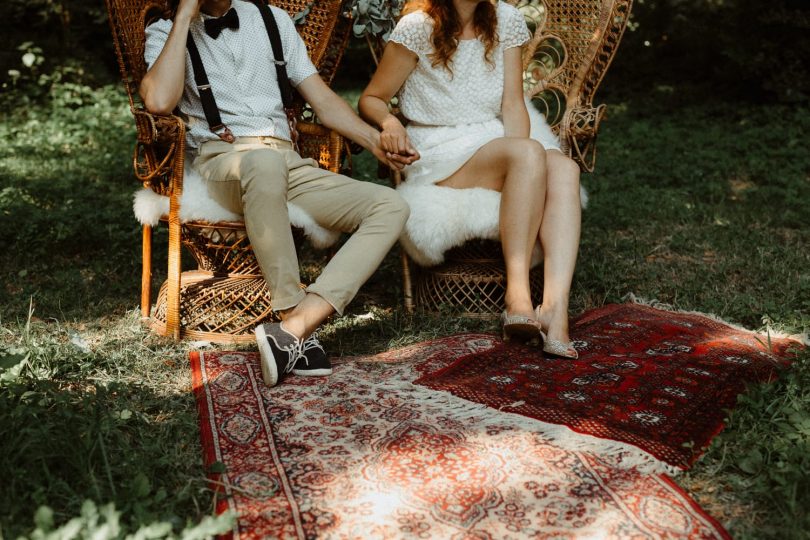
(394, 141)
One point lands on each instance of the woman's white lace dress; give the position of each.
(452, 115)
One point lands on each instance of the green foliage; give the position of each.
(65, 209)
(765, 452)
(88, 420)
(70, 39)
(104, 524)
(374, 18)
(705, 206)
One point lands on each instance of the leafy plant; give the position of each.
(374, 18)
(104, 523)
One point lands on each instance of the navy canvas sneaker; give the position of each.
(279, 351)
(313, 361)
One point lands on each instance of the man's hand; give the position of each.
(394, 160)
(394, 138)
(396, 145)
(188, 9)
(336, 114)
(162, 86)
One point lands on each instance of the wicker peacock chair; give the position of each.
(572, 46)
(226, 296)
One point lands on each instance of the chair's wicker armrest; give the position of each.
(324, 145)
(159, 150)
(157, 128)
(578, 132)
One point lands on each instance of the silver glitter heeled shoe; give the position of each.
(555, 347)
(522, 328)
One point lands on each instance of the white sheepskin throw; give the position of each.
(196, 204)
(443, 218)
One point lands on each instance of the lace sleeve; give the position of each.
(412, 32)
(512, 27)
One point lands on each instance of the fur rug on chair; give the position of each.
(443, 218)
(197, 205)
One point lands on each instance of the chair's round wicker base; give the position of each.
(472, 282)
(217, 308)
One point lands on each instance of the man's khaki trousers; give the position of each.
(257, 176)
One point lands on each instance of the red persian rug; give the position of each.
(365, 453)
(658, 380)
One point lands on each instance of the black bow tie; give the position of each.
(213, 27)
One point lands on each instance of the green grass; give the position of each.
(702, 206)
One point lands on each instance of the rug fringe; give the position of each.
(804, 339)
(622, 455)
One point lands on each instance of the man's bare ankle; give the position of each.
(294, 327)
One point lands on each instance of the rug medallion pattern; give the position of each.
(658, 380)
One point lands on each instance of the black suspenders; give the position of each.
(209, 104)
(278, 52)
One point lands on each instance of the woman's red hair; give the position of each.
(447, 28)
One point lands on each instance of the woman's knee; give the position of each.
(563, 172)
(526, 153)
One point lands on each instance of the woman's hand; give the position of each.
(396, 64)
(336, 114)
(394, 139)
(393, 160)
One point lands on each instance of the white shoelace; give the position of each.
(310, 343)
(294, 352)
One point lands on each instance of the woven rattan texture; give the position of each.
(224, 248)
(216, 308)
(319, 22)
(589, 32)
(471, 281)
(573, 45)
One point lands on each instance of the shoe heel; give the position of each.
(506, 336)
(520, 328)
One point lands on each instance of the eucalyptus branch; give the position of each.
(374, 18)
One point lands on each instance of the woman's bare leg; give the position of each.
(559, 234)
(517, 168)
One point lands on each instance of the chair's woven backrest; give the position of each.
(323, 29)
(574, 42)
(128, 19)
(320, 24)
(573, 45)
